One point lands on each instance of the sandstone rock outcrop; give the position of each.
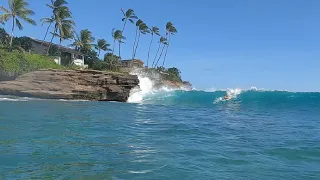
(72, 84)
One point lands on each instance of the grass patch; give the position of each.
(15, 63)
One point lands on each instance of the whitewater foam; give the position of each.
(146, 87)
(15, 99)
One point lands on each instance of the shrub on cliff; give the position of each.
(15, 63)
(100, 65)
(170, 74)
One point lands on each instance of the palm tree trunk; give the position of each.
(124, 25)
(135, 51)
(165, 55)
(45, 36)
(99, 53)
(114, 43)
(11, 38)
(160, 54)
(134, 44)
(149, 51)
(119, 50)
(155, 58)
(55, 31)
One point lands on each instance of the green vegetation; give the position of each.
(102, 45)
(17, 11)
(164, 43)
(128, 15)
(60, 25)
(16, 63)
(170, 74)
(154, 31)
(62, 19)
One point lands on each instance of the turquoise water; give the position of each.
(171, 135)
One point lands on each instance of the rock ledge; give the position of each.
(72, 84)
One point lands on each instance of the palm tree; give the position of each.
(154, 31)
(138, 24)
(114, 40)
(163, 41)
(117, 36)
(48, 21)
(128, 15)
(64, 26)
(143, 29)
(102, 45)
(170, 30)
(17, 11)
(1, 20)
(83, 41)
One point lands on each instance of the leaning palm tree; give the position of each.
(138, 24)
(17, 11)
(63, 30)
(154, 31)
(47, 21)
(163, 42)
(102, 45)
(162, 39)
(128, 15)
(117, 36)
(143, 29)
(62, 20)
(77, 44)
(170, 30)
(83, 41)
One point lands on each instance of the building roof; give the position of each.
(62, 48)
(133, 60)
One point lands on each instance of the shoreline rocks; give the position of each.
(72, 84)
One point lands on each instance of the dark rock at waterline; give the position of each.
(5, 76)
(72, 84)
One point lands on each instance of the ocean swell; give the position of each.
(149, 94)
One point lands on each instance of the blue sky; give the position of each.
(271, 44)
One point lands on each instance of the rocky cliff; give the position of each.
(72, 84)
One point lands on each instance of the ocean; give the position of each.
(163, 134)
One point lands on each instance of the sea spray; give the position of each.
(148, 86)
(230, 93)
(145, 88)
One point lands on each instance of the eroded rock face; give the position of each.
(72, 84)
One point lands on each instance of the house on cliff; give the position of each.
(67, 56)
(132, 63)
(128, 65)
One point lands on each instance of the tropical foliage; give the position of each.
(16, 63)
(17, 11)
(164, 43)
(60, 25)
(129, 15)
(62, 19)
(84, 41)
(22, 42)
(47, 21)
(117, 36)
(102, 45)
(143, 29)
(154, 31)
(4, 36)
(170, 30)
